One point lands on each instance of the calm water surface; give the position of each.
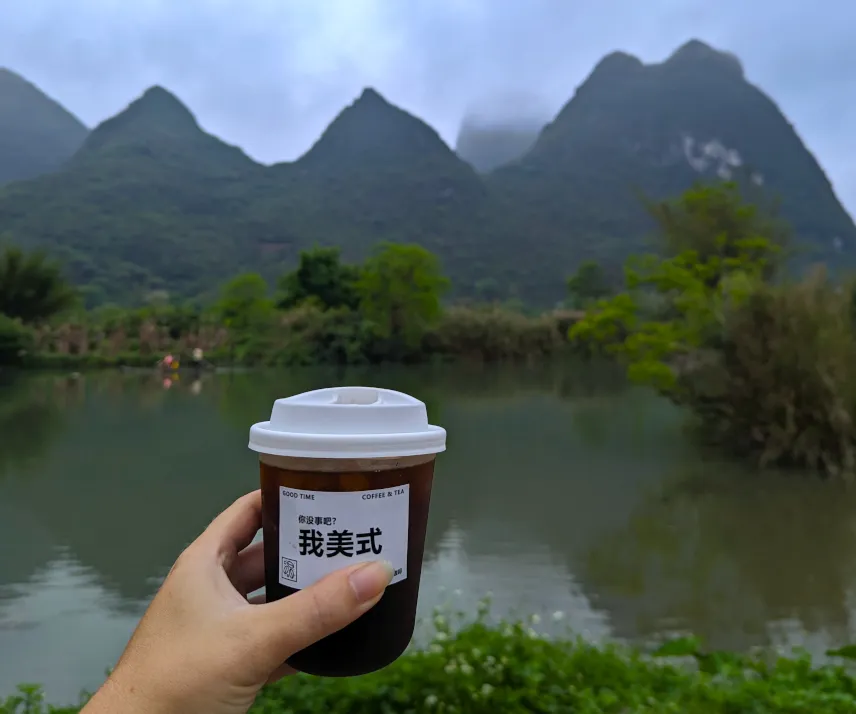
(562, 492)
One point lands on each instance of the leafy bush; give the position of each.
(15, 341)
(781, 383)
(513, 669)
(311, 335)
(494, 334)
(32, 287)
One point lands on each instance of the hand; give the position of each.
(202, 647)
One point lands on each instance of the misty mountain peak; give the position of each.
(696, 53)
(617, 64)
(372, 129)
(487, 145)
(158, 127)
(37, 135)
(157, 113)
(370, 96)
(161, 105)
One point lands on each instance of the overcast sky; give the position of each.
(268, 75)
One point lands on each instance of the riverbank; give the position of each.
(511, 668)
(299, 337)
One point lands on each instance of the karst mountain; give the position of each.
(149, 201)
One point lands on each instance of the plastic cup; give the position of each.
(346, 477)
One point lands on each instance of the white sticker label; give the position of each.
(322, 531)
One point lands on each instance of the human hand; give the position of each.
(202, 647)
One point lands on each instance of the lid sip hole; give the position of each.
(356, 395)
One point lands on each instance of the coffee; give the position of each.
(346, 477)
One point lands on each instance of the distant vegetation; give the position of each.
(767, 365)
(325, 311)
(32, 290)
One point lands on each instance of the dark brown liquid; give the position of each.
(378, 637)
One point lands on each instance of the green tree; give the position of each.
(320, 276)
(32, 287)
(716, 221)
(721, 260)
(400, 291)
(244, 303)
(587, 284)
(768, 370)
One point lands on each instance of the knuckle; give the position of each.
(183, 562)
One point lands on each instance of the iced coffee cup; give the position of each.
(346, 477)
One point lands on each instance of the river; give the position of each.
(564, 492)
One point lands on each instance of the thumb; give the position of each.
(297, 621)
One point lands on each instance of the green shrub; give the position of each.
(491, 333)
(309, 335)
(780, 383)
(16, 341)
(511, 668)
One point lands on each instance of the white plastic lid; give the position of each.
(348, 423)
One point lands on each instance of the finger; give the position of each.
(234, 529)
(295, 622)
(248, 571)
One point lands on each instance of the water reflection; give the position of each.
(740, 559)
(61, 628)
(31, 412)
(562, 490)
(519, 575)
(128, 482)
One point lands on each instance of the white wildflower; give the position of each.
(435, 649)
(431, 700)
(535, 619)
(476, 653)
(451, 667)
(534, 635)
(466, 669)
(558, 615)
(441, 636)
(486, 689)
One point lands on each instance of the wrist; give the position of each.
(120, 695)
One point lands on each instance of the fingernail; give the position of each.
(371, 580)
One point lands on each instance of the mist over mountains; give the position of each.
(149, 201)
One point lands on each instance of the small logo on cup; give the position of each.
(289, 570)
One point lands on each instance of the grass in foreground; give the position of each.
(511, 668)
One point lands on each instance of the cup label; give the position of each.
(322, 531)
